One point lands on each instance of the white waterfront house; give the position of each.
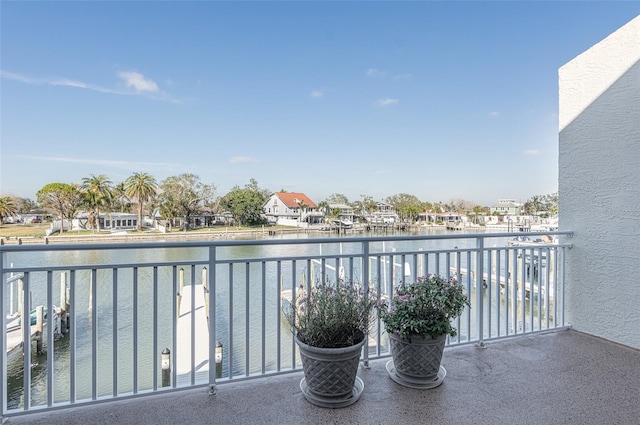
(114, 221)
(291, 209)
(384, 214)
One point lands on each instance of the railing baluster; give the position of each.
(135, 330)
(50, 338)
(94, 333)
(263, 344)
(174, 327)
(230, 320)
(114, 330)
(499, 278)
(3, 339)
(155, 350)
(26, 340)
(247, 313)
(73, 336)
(213, 319)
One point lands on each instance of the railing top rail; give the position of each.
(301, 258)
(235, 242)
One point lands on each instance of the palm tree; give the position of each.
(301, 207)
(97, 192)
(119, 196)
(142, 187)
(7, 208)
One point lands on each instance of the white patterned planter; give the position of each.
(330, 374)
(416, 360)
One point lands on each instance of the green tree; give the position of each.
(407, 206)
(301, 207)
(169, 211)
(324, 207)
(119, 199)
(96, 192)
(23, 205)
(368, 204)
(253, 185)
(62, 198)
(143, 188)
(338, 198)
(245, 204)
(544, 204)
(551, 203)
(478, 210)
(533, 205)
(7, 208)
(185, 196)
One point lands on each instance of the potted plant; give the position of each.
(418, 319)
(329, 323)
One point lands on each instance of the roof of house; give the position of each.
(291, 199)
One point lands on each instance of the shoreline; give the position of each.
(224, 234)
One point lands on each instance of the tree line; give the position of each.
(184, 196)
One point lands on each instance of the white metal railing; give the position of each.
(113, 320)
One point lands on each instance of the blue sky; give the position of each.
(441, 100)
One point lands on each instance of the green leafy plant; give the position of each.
(424, 308)
(331, 315)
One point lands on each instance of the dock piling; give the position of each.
(166, 367)
(218, 359)
(180, 288)
(39, 328)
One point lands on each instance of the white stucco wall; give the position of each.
(599, 185)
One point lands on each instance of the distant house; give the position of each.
(507, 207)
(445, 218)
(291, 209)
(346, 212)
(108, 221)
(384, 214)
(383, 208)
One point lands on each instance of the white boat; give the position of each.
(527, 241)
(343, 224)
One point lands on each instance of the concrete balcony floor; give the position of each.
(563, 377)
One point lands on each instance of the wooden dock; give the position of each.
(14, 335)
(503, 282)
(192, 354)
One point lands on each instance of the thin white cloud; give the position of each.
(136, 84)
(138, 81)
(317, 93)
(532, 152)
(494, 114)
(386, 102)
(377, 73)
(241, 159)
(17, 77)
(81, 85)
(374, 73)
(127, 165)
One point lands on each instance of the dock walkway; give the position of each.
(192, 356)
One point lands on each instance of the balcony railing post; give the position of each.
(3, 339)
(479, 271)
(212, 321)
(365, 274)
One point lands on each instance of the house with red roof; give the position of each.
(292, 209)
